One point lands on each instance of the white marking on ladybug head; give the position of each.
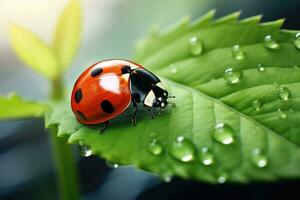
(149, 99)
(161, 85)
(132, 66)
(110, 82)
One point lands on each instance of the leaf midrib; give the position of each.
(241, 115)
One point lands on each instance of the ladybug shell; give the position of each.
(102, 91)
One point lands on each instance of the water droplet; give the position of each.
(85, 150)
(223, 134)
(283, 93)
(155, 147)
(257, 104)
(182, 149)
(232, 76)
(281, 114)
(206, 157)
(258, 158)
(222, 178)
(111, 164)
(196, 46)
(297, 41)
(237, 52)
(270, 43)
(167, 179)
(174, 70)
(260, 68)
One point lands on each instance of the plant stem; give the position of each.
(57, 92)
(62, 155)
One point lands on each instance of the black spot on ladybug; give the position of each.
(107, 106)
(96, 72)
(78, 95)
(126, 69)
(80, 115)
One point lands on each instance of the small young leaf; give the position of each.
(237, 88)
(33, 51)
(67, 35)
(13, 106)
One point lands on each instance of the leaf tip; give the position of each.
(211, 12)
(204, 19)
(254, 19)
(13, 28)
(231, 18)
(277, 24)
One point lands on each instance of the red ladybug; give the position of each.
(105, 89)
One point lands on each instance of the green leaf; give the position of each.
(239, 132)
(13, 106)
(33, 52)
(67, 35)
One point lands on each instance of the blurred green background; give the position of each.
(111, 30)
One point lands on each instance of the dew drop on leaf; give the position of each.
(270, 43)
(232, 76)
(223, 134)
(297, 41)
(258, 158)
(222, 178)
(174, 70)
(182, 149)
(196, 46)
(237, 52)
(167, 179)
(260, 68)
(281, 114)
(206, 157)
(283, 93)
(111, 164)
(85, 150)
(257, 104)
(155, 147)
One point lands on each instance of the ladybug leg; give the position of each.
(151, 113)
(133, 118)
(102, 130)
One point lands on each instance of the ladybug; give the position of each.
(107, 88)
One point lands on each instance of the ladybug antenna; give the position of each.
(171, 96)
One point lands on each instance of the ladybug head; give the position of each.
(161, 99)
(157, 97)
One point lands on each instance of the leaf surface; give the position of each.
(13, 106)
(259, 113)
